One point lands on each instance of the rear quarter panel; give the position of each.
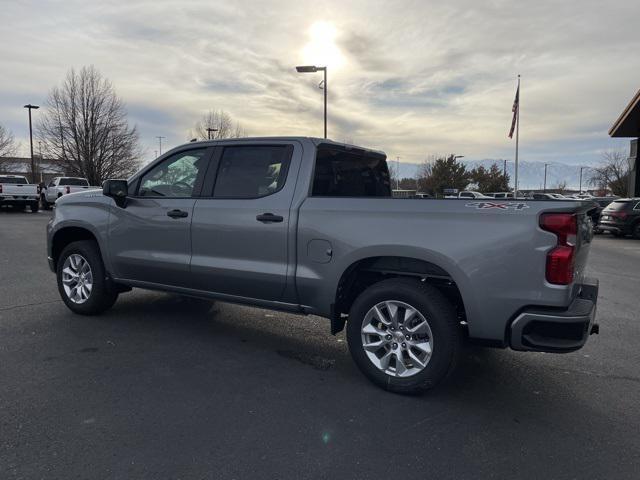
(496, 256)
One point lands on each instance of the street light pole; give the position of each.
(324, 89)
(313, 69)
(33, 167)
(160, 137)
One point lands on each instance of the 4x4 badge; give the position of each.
(498, 205)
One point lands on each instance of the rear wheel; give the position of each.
(44, 203)
(617, 234)
(82, 280)
(403, 335)
(35, 206)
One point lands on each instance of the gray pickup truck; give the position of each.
(309, 226)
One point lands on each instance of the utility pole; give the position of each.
(397, 173)
(545, 178)
(581, 168)
(40, 159)
(160, 137)
(209, 130)
(33, 167)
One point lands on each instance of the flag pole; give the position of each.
(515, 191)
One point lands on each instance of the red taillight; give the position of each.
(68, 189)
(561, 259)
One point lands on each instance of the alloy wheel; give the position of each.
(397, 338)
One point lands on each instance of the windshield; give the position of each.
(13, 180)
(617, 206)
(81, 182)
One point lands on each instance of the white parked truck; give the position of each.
(16, 191)
(60, 186)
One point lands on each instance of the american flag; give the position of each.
(516, 106)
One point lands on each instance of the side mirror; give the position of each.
(116, 189)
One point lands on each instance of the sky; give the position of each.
(410, 78)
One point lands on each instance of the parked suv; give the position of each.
(622, 217)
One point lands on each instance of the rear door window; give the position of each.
(252, 171)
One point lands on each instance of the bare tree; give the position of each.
(7, 147)
(85, 126)
(217, 124)
(561, 186)
(613, 173)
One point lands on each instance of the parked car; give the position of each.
(471, 194)
(601, 204)
(500, 195)
(60, 186)
(621, 217)
(309, 226)
(543, 196)
(16, 191)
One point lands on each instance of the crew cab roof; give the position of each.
(316, 140)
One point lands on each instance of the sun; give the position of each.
(321, 50)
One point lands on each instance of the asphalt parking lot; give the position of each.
(148, 390)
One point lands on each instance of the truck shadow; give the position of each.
(481, 373)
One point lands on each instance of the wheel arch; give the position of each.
(368, 270)
(69, 234)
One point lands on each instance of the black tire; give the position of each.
(617, 234)
(45, 205)
(636, 231)
(35, 206)
(103, 293)
(442, 320)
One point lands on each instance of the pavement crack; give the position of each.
(12, 307)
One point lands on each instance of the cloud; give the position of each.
(417, 77)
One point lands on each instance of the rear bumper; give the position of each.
(558, 331)
(614, 227)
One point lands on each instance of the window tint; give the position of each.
(340, 173)
(252, 171)
(81, 182)
(13, 180)
(174, 177)
(617, 206)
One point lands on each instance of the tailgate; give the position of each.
(19, 189)
(583, 240)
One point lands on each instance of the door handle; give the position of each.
(177, 213)
(269, 218)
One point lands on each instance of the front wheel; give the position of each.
(403, 335)
(636, 231)
(82, 280)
